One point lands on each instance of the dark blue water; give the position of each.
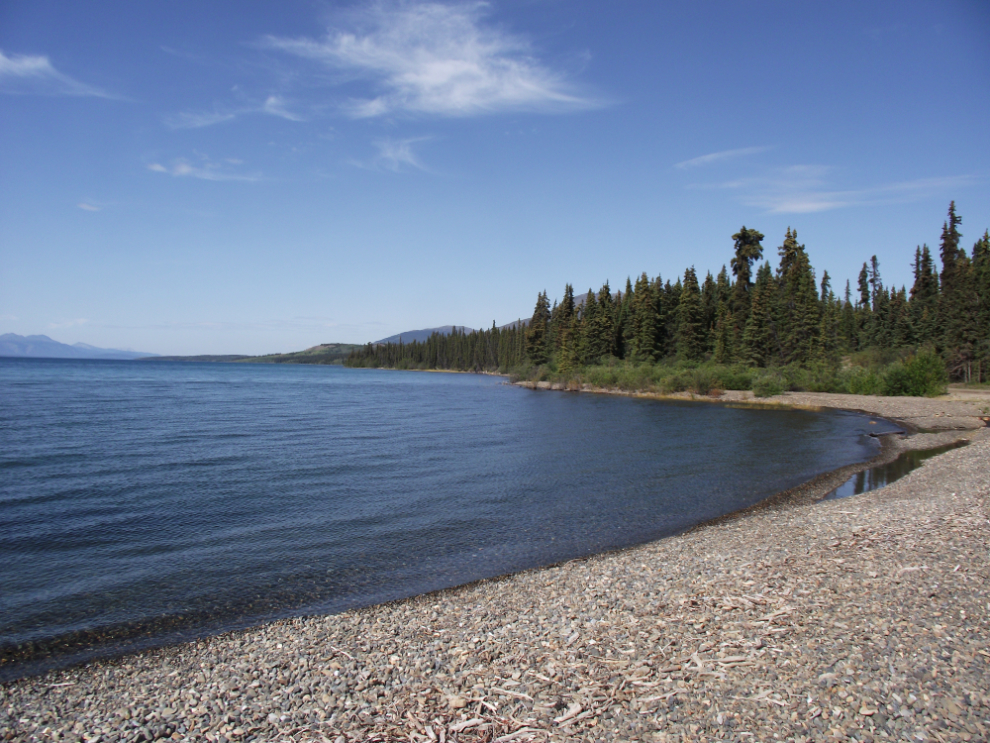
(145, 501)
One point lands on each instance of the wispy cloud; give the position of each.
(805, 189)
(35, 75)
(276, 106)
(273, 105)
(86, 206)
(437, 59)
(394, 154)
(718, 156)
(73, 323)
(198, 119)
(207, 170)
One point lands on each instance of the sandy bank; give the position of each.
(861, 618)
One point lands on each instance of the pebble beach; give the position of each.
(865, 618)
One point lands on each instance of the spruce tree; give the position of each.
(643, 322)
(798, 315)
(748, 249)
(537, 346)
(829, 337)
(758, 336)
(981, 277)
(923, 303)
(850, 334)
(601, 330)
(691, 330)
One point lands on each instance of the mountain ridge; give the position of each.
(13, 345)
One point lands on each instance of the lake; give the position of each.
(143, 502)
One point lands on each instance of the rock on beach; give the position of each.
(862, 619)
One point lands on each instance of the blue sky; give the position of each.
(249, 177)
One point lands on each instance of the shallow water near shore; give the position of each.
(874, 478)
(146, 502)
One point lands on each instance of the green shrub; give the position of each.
(768, 384)
(735, 377)
(820, 377)
(923, 375)
(859, 381)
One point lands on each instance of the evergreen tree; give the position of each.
(671, 316)
(850, 333)
(600, 330)
(537, 333)
(748, 249)
(642, 322)
(876, 285)
(564, 313)
(758, 338)
(829, 338)
(924, 298)
(798, 314)
(724, 351)
(864, 310)
(690, 332)
(981, 280)
(958, 302)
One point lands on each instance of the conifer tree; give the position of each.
(537, 346)
(601, 329)
(850, 334)
(690, 331)
(642, 322)
(748, 249)
(758, 337)
(671, 316)
(829, 338)
(709, 306)
(798, 316)
(589, 317)
(724, 351)
(924, 298)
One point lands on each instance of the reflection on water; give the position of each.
(143, 502)
(884, 474)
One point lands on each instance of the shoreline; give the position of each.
(639, 639)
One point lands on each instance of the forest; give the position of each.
(752, 326)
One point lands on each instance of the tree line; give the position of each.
(749, 314)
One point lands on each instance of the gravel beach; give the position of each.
(864, 618)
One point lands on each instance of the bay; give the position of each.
(143, 502)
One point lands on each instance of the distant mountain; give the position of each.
(421, 335)
(43, 347)
(515, 324)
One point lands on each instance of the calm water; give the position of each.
(141, 502)
(874, 478)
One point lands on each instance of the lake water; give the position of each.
(143, 502)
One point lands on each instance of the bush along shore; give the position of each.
(859, 619)
(764, 329)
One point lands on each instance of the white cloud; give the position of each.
(35, 74)
(717, 156)
(207, 171)
(86, 206)
(275, 106)
(805, 189)
(393, 154)
(198, 119)
(437, 59)
(74, 323)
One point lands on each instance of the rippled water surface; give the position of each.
(145, 501)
